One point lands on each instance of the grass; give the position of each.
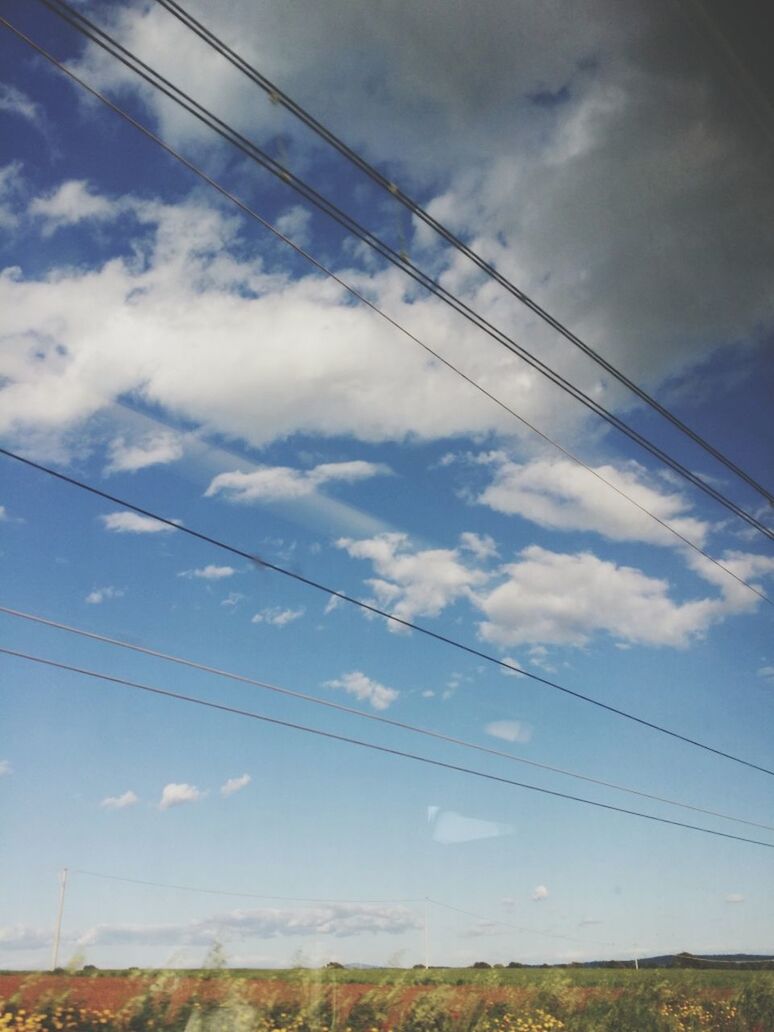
(398, 1000)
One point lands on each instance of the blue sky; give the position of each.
(166, 349)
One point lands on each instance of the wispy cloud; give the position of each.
(121, 802)
(71, 203)
(278, 617)
(153, 450)
(283, 483)
(23, 937)
(15, 102)
(339, 920)
(5, 767)
(100, 595)
(365, 689)
(234, 785)
(233, 599)
(735, 897)
(209, 572)
(175, 794)
(134, 523)
(539, 893)
(560, 494)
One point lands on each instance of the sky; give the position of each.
(160, 345)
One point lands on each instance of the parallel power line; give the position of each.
(375, 717)
(324, 899)
(247, 210)
(346, 739)
(277, 96)
(256, 154)
(368, 607)
(229, 892)
(515, 927)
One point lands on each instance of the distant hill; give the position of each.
(742, 961)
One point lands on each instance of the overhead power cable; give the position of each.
(346, 739)
(380, 312)
(377, 718)
(368, 607)
(247, 147)
(277, 96)
(310, 899)
(515, 927)
(236, 895)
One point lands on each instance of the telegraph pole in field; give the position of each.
(58, 929)
(427, 934)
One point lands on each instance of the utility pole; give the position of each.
(427, 933)
(58, 929)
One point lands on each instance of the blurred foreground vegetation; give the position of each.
(390, 1000)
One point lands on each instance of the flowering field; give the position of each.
(393, 1001)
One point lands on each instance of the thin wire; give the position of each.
(239, 895)
(352, 710)
(275, 721)
(368, 607)
(310, 899)
(92, 32)
(373, 307)
(279, 97)
(518, 928)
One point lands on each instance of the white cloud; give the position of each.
(129, 798)
(15, 102)
(603, 150)
(767, 672)
(547, 597)
(749, 566)
(233, 599)
(735, 897)
(278, 617)
(3, 514)
(510, 731)
(482, 546)
(365, 689)
(559, 494)
(11, 191)
(100, 595)
(23, 937)
(234, 785)
(324, 365)
(413, 584)
(133, 523)
(294, 223)
(152, 450)
(209, 572)
(282, 483)
(5, 767)
(567, 599)
(539, 893)
(174, 794)
(70, 203)
(340, 920)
